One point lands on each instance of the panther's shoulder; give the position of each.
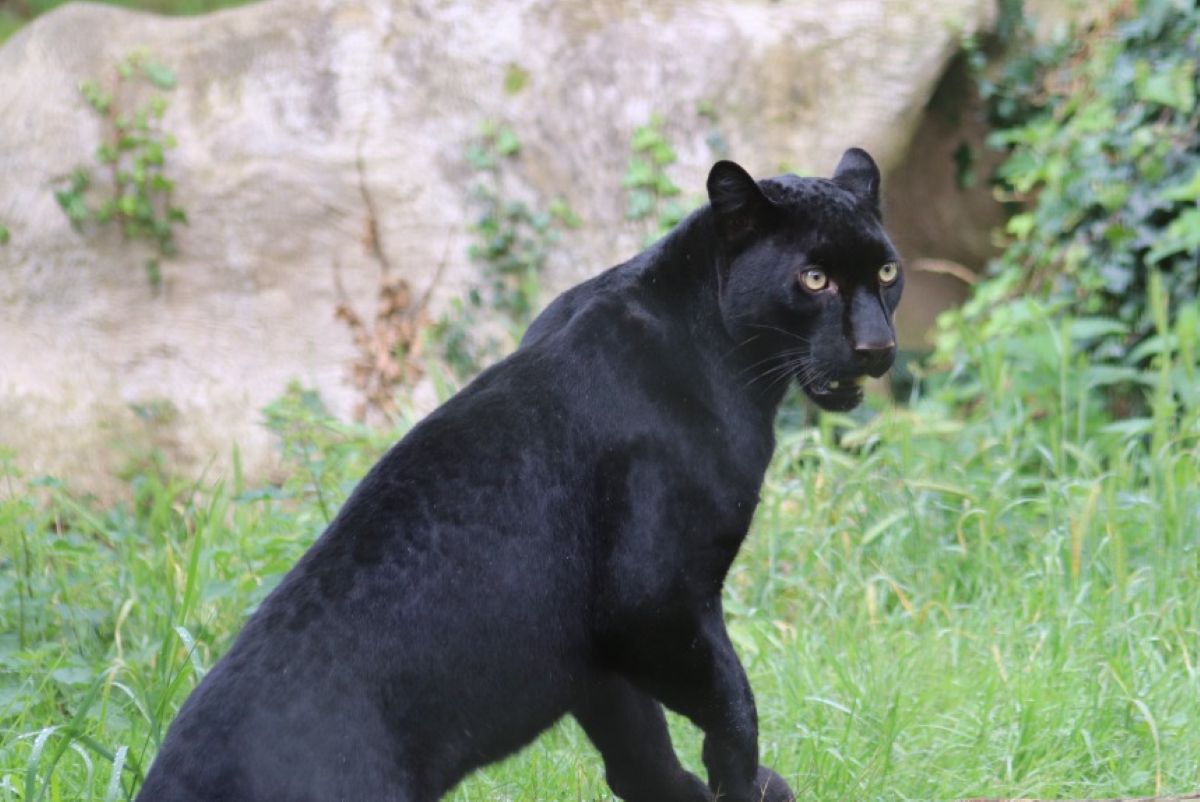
(611, 294)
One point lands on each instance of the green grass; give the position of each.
(15, 13)
(944, 600)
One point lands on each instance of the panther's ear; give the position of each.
(742, 210)
(858, 173)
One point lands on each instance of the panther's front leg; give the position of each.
(628, 727)
(695, 671)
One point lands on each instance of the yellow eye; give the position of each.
(888, 273)
(814, 279)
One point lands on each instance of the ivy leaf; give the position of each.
(1185, 192)
(639, 173)
(1020, 225)
(647, 137)
(159, 75)
(562, 211)
(515, 79)
(507, 143)
(1182, 235)
(662, 153)
(74, 206)
(480, 158)
(1174, 88)
(641, 204)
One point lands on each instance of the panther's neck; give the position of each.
(687, 269)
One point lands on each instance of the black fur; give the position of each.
(554, 538)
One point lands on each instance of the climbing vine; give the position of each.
(511, 242)
(653, 198)
(128, 187)
(652, 195)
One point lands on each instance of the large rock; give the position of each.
(949, 236)
(301, 124)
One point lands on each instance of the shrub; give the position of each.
(1104, 155)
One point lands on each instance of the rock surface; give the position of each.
(305, 125)
(948, 236)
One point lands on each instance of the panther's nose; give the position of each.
(875, 357)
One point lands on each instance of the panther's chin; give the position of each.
(836, 396)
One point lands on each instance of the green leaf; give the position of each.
(1174, 88)
(73, 675)
(1020, 225)
(641, 204)
(507, 143)
(664, 186)
(1095, 117)
(113, 792)
(1113, 195)
(1087, 328)
(1131, 427)
(1183, 234)
(159, 75)
(563, 212)
(515, 79)
(153, 272)
(639, 173)
(671, 213)
(882, 525)
(95, 96)
(480, 158)
(81, 179)
(662, 153)
(1106, 375)
(77, 210)
(646, 137)
(1189, 191)
(964, 166)
(153, 154)
(1153, 346)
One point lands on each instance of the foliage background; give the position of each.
(1104, 161)
(990, 589)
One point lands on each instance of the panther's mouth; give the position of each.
(836, 395)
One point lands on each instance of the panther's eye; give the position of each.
(888, 273)
(814, 279)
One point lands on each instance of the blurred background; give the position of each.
(243, 246)
(199, 210)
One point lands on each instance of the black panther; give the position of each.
(554, 538)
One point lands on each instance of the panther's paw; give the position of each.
(771, 787)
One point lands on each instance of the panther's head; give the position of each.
(809, 279)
